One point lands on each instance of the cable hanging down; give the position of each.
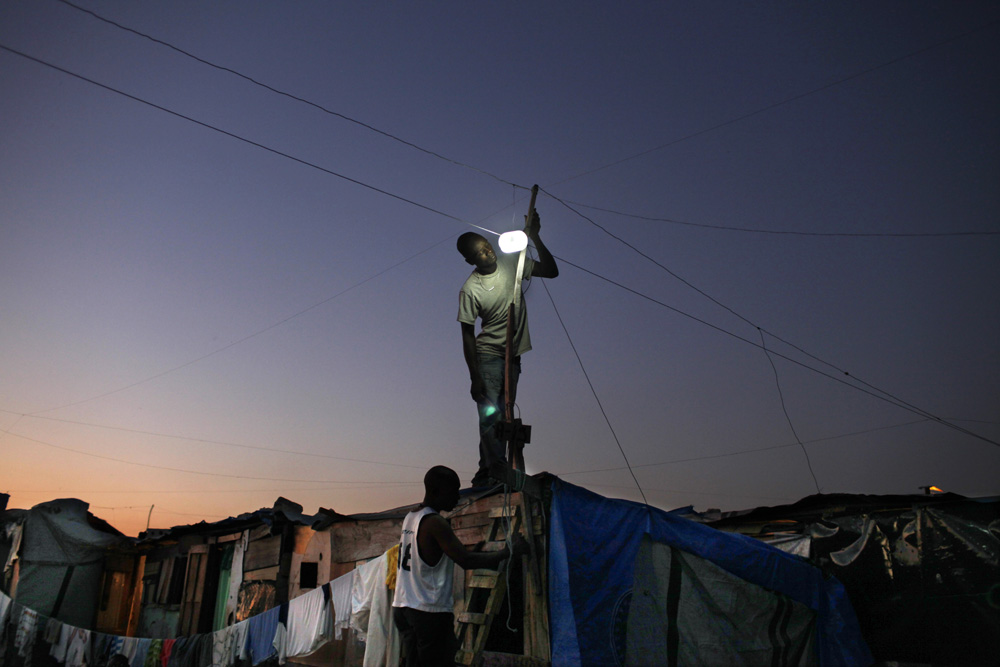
(597, 398)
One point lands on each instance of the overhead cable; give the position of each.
(742, 452)
(785, 101)
(884, 396)
(187, 471)
(283, 93)
(243, 339)
(214, 442)
(597, 398)
(784, 408)
(238, 137)
(786, 232)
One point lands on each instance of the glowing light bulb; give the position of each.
(515, 241)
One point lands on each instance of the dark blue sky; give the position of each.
(181, 308)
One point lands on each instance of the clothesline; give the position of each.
(359, 600)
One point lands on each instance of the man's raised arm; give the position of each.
(545, 266)
(444, 536)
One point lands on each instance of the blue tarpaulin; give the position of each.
(594, 542)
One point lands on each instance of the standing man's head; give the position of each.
(441, 487)
(478, 252)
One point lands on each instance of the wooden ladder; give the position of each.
(485, 589)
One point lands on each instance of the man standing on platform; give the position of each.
(487, 295)
(428, 550)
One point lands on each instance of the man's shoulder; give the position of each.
(470, 284)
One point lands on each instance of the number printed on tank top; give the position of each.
(404, 562)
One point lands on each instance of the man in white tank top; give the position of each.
(428, 551)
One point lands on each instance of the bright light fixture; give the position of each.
(515, 241)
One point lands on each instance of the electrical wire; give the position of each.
(215, 442)
(244, 338)
(784, 409)
(597, 398)
(237, 137)
(708, 457)
(193, 472)
(283, 93)
(881, 395)
(781, 232)
(695, 493)
(785, 101)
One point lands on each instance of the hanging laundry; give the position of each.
(310, 623)
(392, 567)
(341, 589)
(371, 614)
(260, 636)
(24, 636)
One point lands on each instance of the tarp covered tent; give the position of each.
(62, 561)
(632, 585)
(922, 570)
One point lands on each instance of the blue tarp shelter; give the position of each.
(633, 585)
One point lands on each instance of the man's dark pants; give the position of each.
(428, 638)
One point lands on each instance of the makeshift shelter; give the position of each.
(633, 585)
(61, 553)
(922, 571)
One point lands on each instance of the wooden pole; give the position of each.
(511, 315)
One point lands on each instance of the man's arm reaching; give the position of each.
(441, 534)
(545, 265)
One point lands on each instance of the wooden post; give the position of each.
(511, 313)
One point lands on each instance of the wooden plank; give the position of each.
(470, 536)
(473, 618)
(464, 657)
(262, 553)
(508, 511)
(266, 574)
(473, 520)
(259, 532)
(361, 540)
(483, 579)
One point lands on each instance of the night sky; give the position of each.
(777, 225)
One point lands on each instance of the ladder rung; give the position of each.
(499, 512)
(464, 657)
(483, 579)
(473, 618)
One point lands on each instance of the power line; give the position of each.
(696, 493)
(238, 137)
(784, 409)
(214, 442)
(283, 93)
(708, 457)
(189, 472)
(266, 148)
(594, 392)
(650, 259)
(245, 338)
(779, 232)
(348, 486)
(882, 395)
(788, 100)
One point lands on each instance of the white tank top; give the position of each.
(418, 585)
